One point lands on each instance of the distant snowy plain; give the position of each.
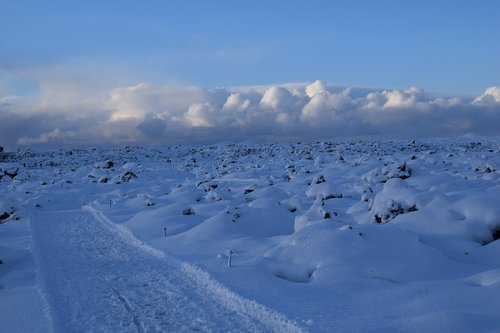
(340, 236)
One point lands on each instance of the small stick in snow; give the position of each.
(165, 231)
(230, 253)
(110, 202)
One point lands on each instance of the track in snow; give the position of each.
(97, 277)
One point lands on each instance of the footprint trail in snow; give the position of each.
(97, 277)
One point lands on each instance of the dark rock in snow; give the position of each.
(320, 179)
(4, 216)
(396, 209)
(127, 176)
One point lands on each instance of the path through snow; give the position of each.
(97, 277)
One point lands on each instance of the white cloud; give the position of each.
(200, 115)
(55, 135)
(399, 99)
(324, 107)
(138, 100)
(148, 113)
(316, 87)
(490, 97)
(394, 99)
(277, 98)
(446, 102)
(235, 102)
(9, 99)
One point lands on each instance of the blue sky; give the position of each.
(141, 72)
(442, 46)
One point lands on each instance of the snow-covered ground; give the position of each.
(344, 236)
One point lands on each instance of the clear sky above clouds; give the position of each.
(445, 46)
(69, 67)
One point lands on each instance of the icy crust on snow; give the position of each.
(335, 235)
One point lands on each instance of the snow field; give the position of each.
(349, 236)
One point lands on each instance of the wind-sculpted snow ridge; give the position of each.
(98, 277)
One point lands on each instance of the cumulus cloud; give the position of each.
(277, 98)
(200, 115)
(395, 99)
(315, 88)
(145, 113)
(490, 97)
(235, 102)
(144, 98)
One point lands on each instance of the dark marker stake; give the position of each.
(230, 252)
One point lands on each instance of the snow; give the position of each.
(348, 236)
(111, 282)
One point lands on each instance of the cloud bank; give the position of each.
(66, 115)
